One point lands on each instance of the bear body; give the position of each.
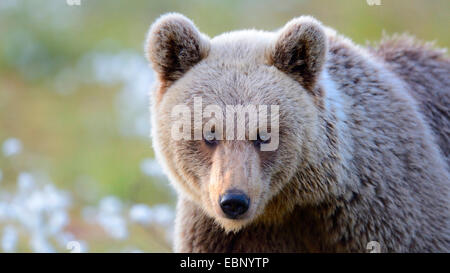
(363, 151)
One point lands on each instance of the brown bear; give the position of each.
(363, 140)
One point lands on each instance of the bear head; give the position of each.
(200, 80)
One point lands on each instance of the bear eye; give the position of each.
(263, 138)
(210, 138)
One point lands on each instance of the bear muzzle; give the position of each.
(234, 203)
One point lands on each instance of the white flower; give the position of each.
(110, 219)
(55, 199)
(40, 244)
(151, 167)
(110, 204)
(36, 202)
(58, 220)
(25, 182)
(9, 239)
(163, 215)
(12, 146)
(141, 214)
(114, 225)
(40, 211)
(4, 211)
(145, 215)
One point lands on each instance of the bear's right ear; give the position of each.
(174, 45)
(300, 50)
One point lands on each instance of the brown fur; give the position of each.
(300, 52)
(425, 68)
(357, 160)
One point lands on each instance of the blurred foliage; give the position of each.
(68, 122)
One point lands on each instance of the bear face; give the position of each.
(233, 179)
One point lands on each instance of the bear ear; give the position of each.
(174, 45)
(300, 50)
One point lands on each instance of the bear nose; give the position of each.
(234, 203)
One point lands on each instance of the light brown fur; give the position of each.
(357, 160)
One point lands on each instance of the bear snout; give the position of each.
(234, 203)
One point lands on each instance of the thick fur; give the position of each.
(426, 69)
(364, 140)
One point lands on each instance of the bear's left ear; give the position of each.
(174, 45)
(300, 50)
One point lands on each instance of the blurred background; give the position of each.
(77, 170)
